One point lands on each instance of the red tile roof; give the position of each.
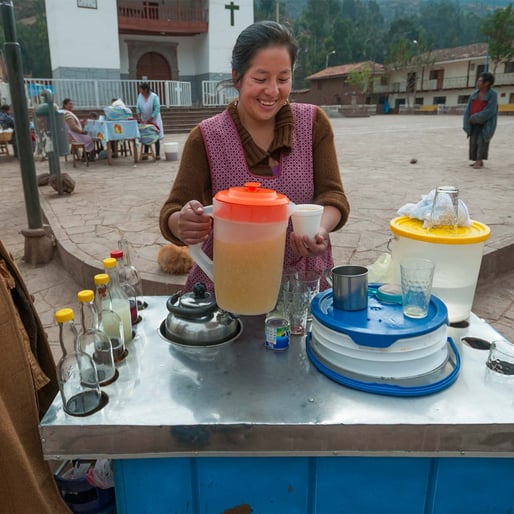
(343, 69)
(437, 56)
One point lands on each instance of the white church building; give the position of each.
(161, 40)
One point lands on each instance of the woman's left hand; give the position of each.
(308, 247)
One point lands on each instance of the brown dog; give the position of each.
(174, 259)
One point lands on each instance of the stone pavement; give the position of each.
(375, 156)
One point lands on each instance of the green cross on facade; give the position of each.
(233, 7)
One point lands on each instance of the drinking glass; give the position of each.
(416, 278)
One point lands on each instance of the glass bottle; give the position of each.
(125, 284)
(108, 320)
(132, 275)
(120, 300)
(76, 371)
(93, 341)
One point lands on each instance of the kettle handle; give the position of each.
(199, 256)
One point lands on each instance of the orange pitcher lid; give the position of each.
(251, 203)
(252, 194)
(413, 229)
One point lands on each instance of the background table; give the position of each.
(108, 131)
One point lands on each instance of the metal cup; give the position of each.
(349, 287)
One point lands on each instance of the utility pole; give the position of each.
(277, 11)
(38, 238)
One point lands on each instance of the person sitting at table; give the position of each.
(75, 129)
(7, 122)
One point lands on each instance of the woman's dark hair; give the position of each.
(487, 77)
(144, 86)
(5, 107)
(257, 36)
(66, 101)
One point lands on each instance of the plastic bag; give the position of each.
(381, 270)
(100, 475)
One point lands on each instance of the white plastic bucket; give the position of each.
(171, 151)
(457, 255)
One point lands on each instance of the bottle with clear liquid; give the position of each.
(93, 341)
(76, 371)
(120, 300)
(131, 274)
(127, 286)
(109, 320)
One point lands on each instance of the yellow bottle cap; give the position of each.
(109, 262)
(64, 315)
(101, 278)
(85, 296)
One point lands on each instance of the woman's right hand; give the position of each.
(193, 226)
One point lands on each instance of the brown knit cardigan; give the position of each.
(193, 181)
(28, 385)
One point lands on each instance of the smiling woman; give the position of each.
(260, 137)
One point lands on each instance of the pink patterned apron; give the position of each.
(294, 179)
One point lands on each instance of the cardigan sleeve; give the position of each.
(328, 186)
(193, 182)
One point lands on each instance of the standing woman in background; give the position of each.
(148, 108)
(480, 119)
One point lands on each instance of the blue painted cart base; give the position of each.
(316, 485)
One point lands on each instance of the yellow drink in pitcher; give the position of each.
(248, 276)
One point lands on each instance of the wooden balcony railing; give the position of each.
(152, 18)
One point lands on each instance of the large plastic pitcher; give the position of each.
(250, 225)
(457, 254)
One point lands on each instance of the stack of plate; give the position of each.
(379, 345)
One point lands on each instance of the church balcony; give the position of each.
(176, 18)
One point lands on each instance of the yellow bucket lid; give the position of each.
(413, 229)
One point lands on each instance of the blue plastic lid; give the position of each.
(381, 324)
(437, 384)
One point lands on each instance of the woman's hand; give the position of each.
(192, 225)
(307, 246)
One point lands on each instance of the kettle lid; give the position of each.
(193, 305)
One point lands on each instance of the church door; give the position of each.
(153, 66)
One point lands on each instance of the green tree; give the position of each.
(33, 41)
(499, 30)
(360, 78)
(267, 10)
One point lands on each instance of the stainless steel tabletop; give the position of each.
(241, 399)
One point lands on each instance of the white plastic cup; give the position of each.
(307, 219)
(416, 279)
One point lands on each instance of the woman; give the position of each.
(148, 108)
(480, 119)
(75, 129)
(260, 136)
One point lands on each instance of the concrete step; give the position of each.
(180, 120)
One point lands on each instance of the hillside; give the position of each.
(399, 8)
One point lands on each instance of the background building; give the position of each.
(181, 40)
